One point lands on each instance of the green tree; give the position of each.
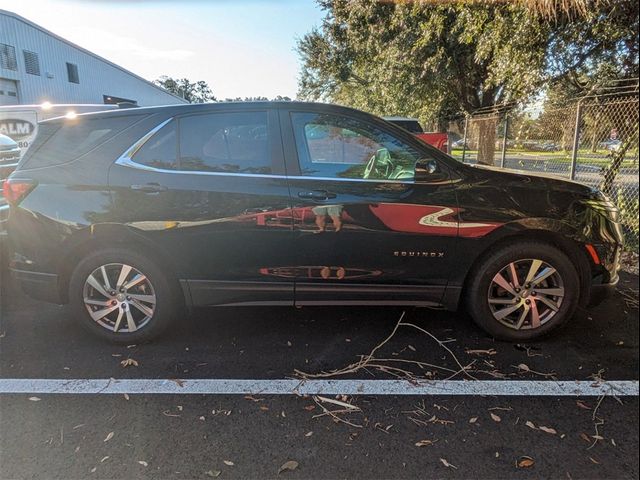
(193, 92)
(437, 60)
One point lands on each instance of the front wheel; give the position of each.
(121, 296)
(523, 291)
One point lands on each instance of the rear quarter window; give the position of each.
(63, 142)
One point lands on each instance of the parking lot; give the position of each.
(250, 434)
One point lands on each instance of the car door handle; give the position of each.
(149, 188)
(317, 195)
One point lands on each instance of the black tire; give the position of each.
(164, 287)
(481, 279)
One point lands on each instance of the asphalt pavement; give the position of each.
(375, 436)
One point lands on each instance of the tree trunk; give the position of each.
(486, 140)
(611, 171)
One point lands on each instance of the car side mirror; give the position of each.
(426, 169)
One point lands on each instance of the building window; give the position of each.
(72, 73)
(8, 57)
(31, 62)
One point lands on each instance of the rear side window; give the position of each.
(225, 142)
(160, 150)
(75, 138)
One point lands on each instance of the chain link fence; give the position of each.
(593, 141)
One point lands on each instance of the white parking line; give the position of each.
(318, 387)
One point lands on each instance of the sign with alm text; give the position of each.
(20, 126)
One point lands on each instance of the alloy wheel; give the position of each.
(119, 298)
(526, 294)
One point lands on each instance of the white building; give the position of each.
(38, 66)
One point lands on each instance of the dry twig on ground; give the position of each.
(371, 362)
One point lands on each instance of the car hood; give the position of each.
(535, 180)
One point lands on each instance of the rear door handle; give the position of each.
(149, 188)
(317, 195)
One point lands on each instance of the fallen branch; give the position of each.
(334, 414)
(462, 369)
(371, 362)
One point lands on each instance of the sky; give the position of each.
(241, 48)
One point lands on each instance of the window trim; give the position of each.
(126, 160)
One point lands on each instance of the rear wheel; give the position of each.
(523, 291)
(122, 296)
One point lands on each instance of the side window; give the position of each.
(343, 147)
(225, 142)
(160, 151)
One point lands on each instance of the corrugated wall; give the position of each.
(97, 77)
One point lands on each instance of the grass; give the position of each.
(558, 157)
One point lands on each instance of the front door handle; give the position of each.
(149, 188)
(317, 195)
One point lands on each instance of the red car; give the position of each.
(438, 140)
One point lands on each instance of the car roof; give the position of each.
(214, 106)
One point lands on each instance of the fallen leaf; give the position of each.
(229, 463)
(308, 408)
(104, 459)
(447, 464)
(585, 437)
(264, 409)
(35, 399)
(530, 425)
(548, 430)
(143, 463)
(425, 443)
(253, 399)
(583, 405)
(201, 418)
(129, 362)
(524, 367)
(473, 419)
(108, 437)
(290, 465)
(495, 417)
(525, 462)
(594, 460)
(213, 473)
(491, 351)
(308, 434)
(126, 396)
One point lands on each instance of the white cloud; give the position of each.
(109, 45)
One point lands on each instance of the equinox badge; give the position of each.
(418, 254)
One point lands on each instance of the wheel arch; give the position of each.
(571, 248)
(104, 236)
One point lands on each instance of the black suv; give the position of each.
(129, 216)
